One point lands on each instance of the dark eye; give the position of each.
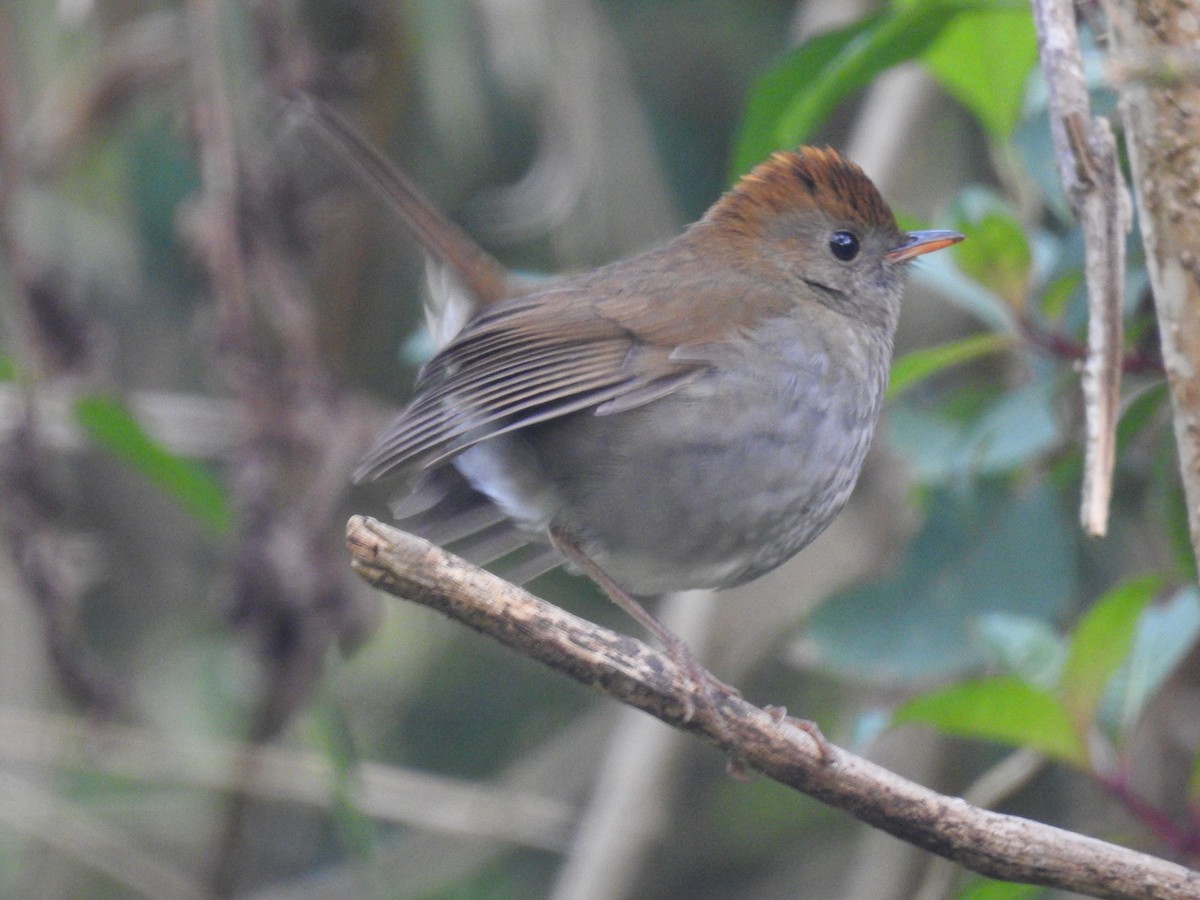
(844, 245)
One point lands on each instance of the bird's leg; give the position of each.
(707, 686)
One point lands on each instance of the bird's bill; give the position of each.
(918, 242)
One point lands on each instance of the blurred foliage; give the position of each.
(111, 425)
(1113, 664)
(914, 367)
(983, 889)
(958, 567)
(1000, 709)
(983, 58)
(981, 52)
(997, 621)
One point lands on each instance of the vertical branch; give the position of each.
(1087, 165)
(1161, 109)
(213, 120)
(288, 477)
(18, 315)
(53, 343)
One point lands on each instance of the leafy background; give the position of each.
(174, 590)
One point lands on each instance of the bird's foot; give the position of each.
(780, 715)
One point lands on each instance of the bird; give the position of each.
(689, 417)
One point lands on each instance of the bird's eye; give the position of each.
(844, 245)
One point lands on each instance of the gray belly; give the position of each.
(709, 487)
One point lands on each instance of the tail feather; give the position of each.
(538, 559)
(490, 544)
(444, 508)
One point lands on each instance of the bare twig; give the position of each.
(1164, 154)
(420, 862)
(1087, 165)
(1000, 846)
(27, 809)
(141, 57)
(514, 815)
(289, 474)
(191, 425)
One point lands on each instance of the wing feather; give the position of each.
(524, 361)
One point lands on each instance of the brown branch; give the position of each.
(1060, 346)
(288, 589)
(54, 346)
(1087, 165)
(1163, 138)
(996, 845)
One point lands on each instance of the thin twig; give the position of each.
(1087, 165)
(1000, 846)
(420, 862)
(387, 793)
(288, 590)
(33, 812)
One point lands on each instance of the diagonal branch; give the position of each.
(1000, 846)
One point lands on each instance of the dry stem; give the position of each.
(1087, 165)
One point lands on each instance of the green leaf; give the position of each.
(331, 734)
(1006, 710)
(759, 136)
(1023, 646)
(886, 40)
(110, 424)
(1057, 294)
(8, 368)
(1194, 781)
(793, 99)
(937, 272)
(1165, 633)
(1005, 433)
(1099, 645)
(996, 253)
(921, 364)
(987, 889)
(983, 60)
(921, 621)
(790, 101)
(1138, 410)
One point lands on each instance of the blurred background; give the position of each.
(206, 320)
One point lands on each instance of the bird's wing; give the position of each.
(524, 361)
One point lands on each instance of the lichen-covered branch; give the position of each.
(1160, 105)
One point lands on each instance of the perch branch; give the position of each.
(996, 845)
